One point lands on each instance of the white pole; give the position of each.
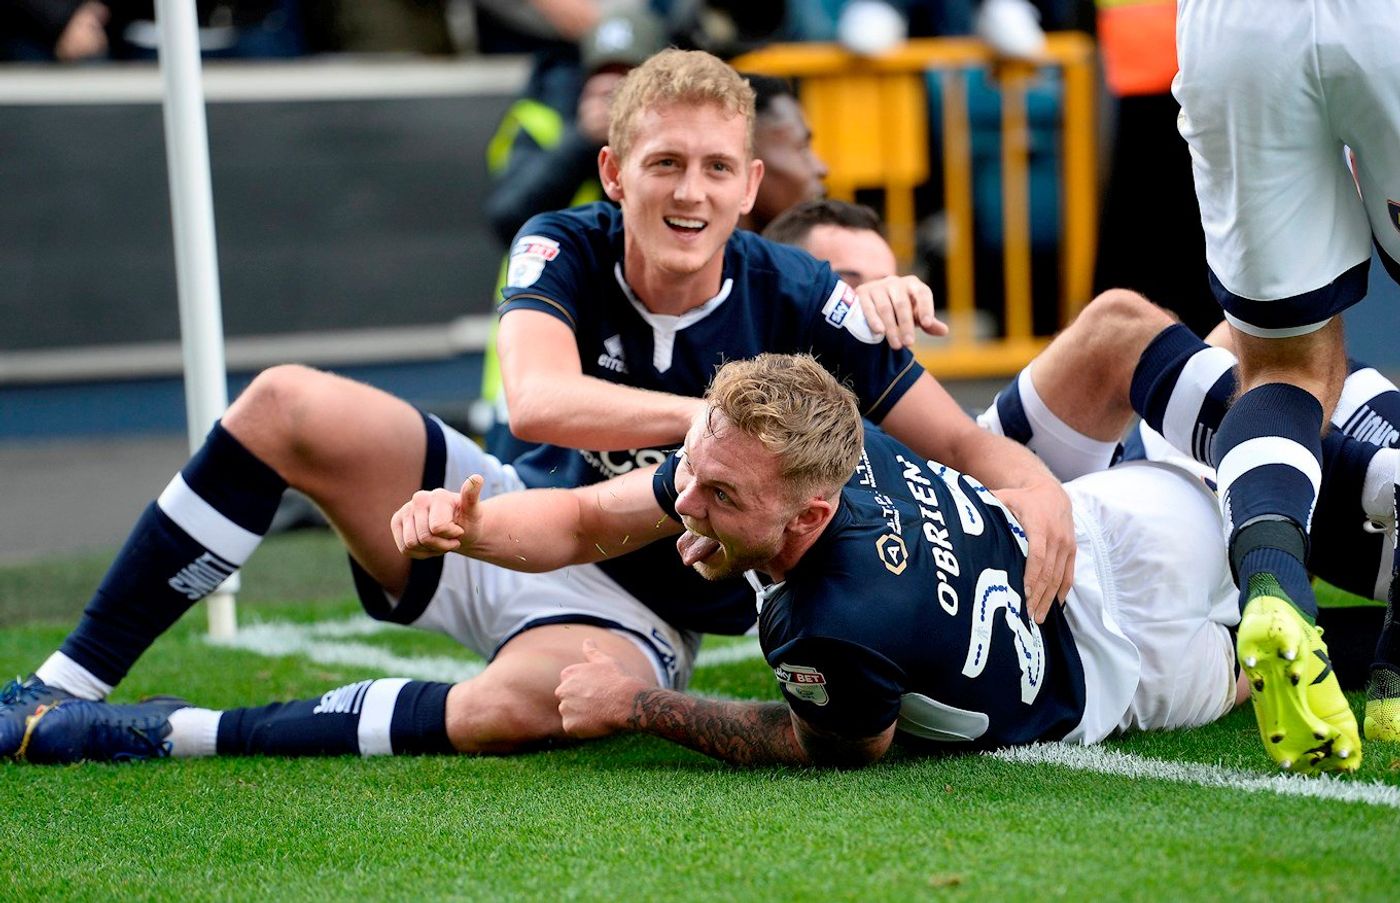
(196, 261)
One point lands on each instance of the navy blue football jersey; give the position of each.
(909, 608)
(772, 298)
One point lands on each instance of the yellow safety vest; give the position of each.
(545, 127)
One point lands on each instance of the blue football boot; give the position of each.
(82, 730)
(18, 700)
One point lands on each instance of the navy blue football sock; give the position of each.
(1269, 450)
(1340, 550)
(1278, 573)
(391, 716)
(202, 528)
(1369, 408)
(1182, 387)
(1011, 414)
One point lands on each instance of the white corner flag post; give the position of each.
(196, 262)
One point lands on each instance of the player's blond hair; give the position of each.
(798, 411)
(678, 76)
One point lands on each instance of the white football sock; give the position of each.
(62, 672)
(1378, 492)
(194, 732)
(1066, 451)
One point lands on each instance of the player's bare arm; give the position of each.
(929, 421)
(895, 306)
(533, 530)
(552, 400)
(596, 697)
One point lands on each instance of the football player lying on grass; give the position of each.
(1124, 355)
(891, 599)
(612, 322)
(1137, 359)
(889, 587)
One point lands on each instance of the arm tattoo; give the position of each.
(743, 733)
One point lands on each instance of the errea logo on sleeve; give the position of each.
(527, 259)
(805, 683)
(843, 310)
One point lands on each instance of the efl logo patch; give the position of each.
(1394, 208)
(527, 259)
(893, 553)
(805, 683)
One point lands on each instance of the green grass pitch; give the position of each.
(633, 818)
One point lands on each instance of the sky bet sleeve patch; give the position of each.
(843, 311)
(528, 258)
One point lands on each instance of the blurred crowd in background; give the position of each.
(543, 155)
(90, 30)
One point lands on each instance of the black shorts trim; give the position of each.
(424, 574)
(1392, 266)
(1306, 309)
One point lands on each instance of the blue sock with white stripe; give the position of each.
(1269, 453)
(1182, 389)
(391, 716)
(1369, 408)
(203, 527)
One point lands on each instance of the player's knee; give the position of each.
(1119, 324)
(1120, 316)
(499, 721)
(274, 416)
(273, 397)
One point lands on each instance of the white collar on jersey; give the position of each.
(763, 588)
(665, 326)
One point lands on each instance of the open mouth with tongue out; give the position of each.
(694, 548)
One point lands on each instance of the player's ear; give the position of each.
(755, 175)
(610, 173)
(813, 516)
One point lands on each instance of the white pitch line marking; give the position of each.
(274, 638)
(319, 642)
(742, 651)
(324, 643)
(1107, 761)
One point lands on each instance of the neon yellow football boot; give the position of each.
(1382, 721)
(1305, 721)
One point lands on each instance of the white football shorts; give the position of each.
(1153, 601)
(483, 606)
(1271, 92)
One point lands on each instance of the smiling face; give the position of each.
(733, 500)
(686, 179)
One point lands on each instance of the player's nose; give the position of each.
(689, 187)
(688, 502)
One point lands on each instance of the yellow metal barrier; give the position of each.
(869, 118)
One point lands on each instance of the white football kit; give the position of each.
(1271, 92)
